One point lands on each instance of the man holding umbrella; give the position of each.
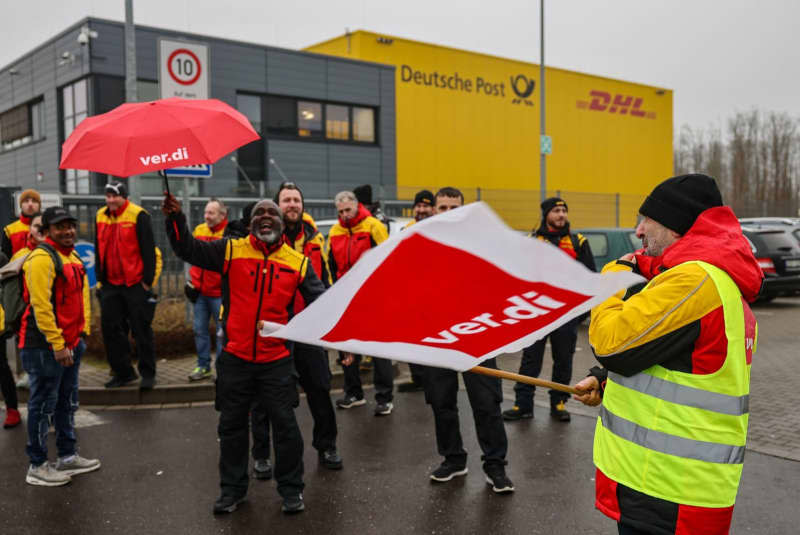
(260, 277)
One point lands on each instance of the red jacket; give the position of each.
(15, 235)
(126, 253)
(258, 283)
(207, 282)
(350, 239)
(57, 306)
(310, 243)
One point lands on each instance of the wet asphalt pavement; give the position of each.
(159, 475)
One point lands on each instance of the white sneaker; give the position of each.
(76, 464)
(46, 476)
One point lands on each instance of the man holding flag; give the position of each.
(670, 440)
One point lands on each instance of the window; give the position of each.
(598, 243)
(337, 122)
(21, 125)
(364, 125)
(309, 119)
(288, 117)
(147, 91)
(74, 99)
(75, 108)
(250, 107)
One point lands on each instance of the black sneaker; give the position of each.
(226, 504)
(118, 381)
(330, 459)
(293, 504)
(515, 413)
(496, 477)
(350, 401)
(559, 412)
(262, 469)
(446, 472)
(384, 409)
(147, 383)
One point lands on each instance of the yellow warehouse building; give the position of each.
(471, 120)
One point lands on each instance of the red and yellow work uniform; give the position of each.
(259, 282)
(58, 307)
(15, 235)
(124, 246)
(310, 243)
(208, 283)
(670, 439)
(350, 239)
(575, 245)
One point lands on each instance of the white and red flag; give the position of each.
(452, 291)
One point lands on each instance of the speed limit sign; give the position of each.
(183, 69)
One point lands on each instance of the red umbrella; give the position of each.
(143, 137)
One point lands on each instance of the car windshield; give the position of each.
(637, 243)
(778, 240)
(598, 243)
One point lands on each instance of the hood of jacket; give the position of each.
(716, 238)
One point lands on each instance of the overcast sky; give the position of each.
(720, 56)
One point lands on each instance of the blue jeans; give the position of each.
(206, 308)
(53, 398)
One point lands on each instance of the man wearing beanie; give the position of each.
(674, 386)
(15, 234)
(554, 228)
(126, 267)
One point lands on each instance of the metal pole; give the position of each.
(542, 155)
(130, 84)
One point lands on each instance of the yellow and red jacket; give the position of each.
(259, 282)
(310, 243)
(15, 235)
(125, 246)
(207, 282)
(676, 323)
(575, 245)
(350, 239)
(58, 307)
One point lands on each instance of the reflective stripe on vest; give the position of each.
(681, 436)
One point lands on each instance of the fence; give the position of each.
(519, 208)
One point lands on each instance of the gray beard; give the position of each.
(270, 238)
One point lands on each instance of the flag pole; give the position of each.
(502, 374)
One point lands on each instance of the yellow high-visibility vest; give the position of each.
(680, 436)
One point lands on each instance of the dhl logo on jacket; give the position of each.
(207, 282)
(118, 256)
(352, 238)
(259, 283)
(17, 233)
(58, 308)
(311, 244)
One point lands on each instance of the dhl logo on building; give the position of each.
(621, 104)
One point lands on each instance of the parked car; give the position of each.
(789, 221)
(609, 244)
(777, 251)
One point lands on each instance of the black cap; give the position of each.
(363, 194)
(552, 202)
(678, 201)
(424, 197)
(117, 188)
(56, 214)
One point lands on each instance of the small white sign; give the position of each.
(183, 69)
(201, 170)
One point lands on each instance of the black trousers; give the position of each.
(7, 385)
(562, 343)
(417, 374)
(485, 396)
(628, 530)
(240, 385)
(383, 377)
(135, 306)
(314, 375)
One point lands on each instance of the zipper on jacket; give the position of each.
(271, 271)
(255, 282)
(258, 310)
(349, 246)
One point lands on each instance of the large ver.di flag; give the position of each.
(452, 291)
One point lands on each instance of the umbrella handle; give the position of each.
(166, 181)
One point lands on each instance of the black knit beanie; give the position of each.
(678, 201)
(549, 204)
(425, 197)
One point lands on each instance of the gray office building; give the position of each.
(326, 123)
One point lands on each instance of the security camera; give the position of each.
(85, 35)
(66, 55)
(83, 38)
